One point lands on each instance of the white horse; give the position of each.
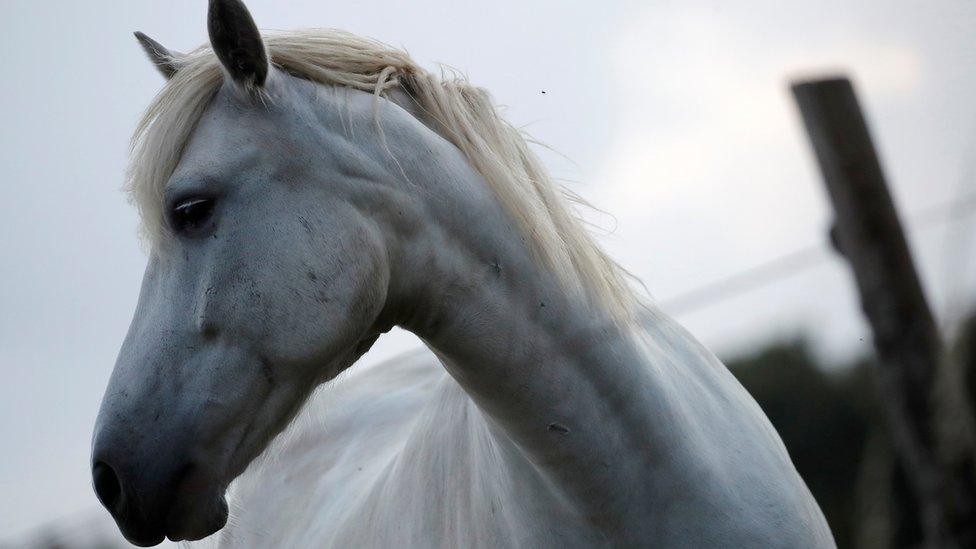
(302, 193)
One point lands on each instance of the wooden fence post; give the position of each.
(868, 233)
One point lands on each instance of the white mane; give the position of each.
(465, 115)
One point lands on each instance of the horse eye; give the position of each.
(191, 214)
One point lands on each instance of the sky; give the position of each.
(673, 118)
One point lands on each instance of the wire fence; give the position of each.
(798, 261)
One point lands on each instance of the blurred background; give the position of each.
(673, 118)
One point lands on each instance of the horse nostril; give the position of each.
(107, 485)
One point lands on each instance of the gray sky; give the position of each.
(675, 116)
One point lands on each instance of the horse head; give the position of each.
(269, 276)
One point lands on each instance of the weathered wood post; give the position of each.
(868, 233)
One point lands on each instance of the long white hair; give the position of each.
(464, 115)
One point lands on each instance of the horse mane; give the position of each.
(464, 114)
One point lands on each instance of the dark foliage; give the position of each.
(831, 422)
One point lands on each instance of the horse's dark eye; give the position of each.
(191, 214)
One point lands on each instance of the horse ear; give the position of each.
(236, 41)
(166, 61)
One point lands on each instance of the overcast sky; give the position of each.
(674, 117)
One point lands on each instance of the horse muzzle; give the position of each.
(148, 506)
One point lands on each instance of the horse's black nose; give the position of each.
(107, 486)
(111, 491)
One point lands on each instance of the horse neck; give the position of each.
(567, 385)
